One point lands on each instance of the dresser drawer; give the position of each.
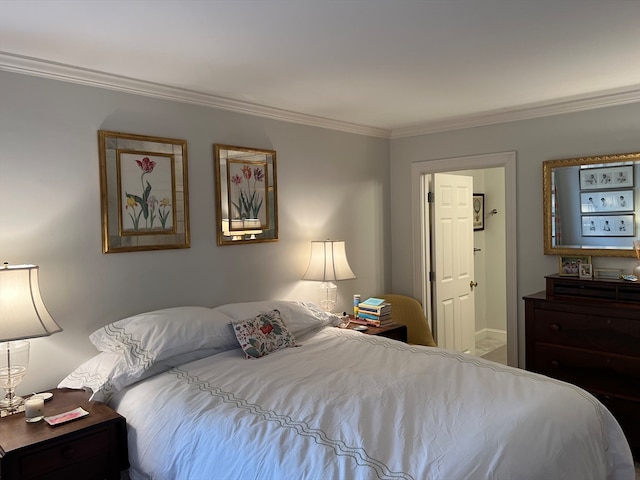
(589, 332)
(68, 459)
(594, 371)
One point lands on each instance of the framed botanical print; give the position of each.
(246, 195)
(144, 192)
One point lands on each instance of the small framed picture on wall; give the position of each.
(478, 211)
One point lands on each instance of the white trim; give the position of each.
(620, 96)
(507, 160)
(67, 73)
(82, 76)
(493, 334)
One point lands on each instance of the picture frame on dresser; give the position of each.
(569, 265)
(586, 271)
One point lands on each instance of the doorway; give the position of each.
(506, 259)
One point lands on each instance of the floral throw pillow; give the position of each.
(263, 334)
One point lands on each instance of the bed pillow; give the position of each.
(263, 334)
(300, 317)
(150, 337)
(107, 372)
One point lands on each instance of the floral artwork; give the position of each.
(146, 187)
(144, 192)
(247, 196)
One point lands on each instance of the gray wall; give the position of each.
(594, 132)
(330, 185)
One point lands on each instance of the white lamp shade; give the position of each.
(22, 311)
(328, 262)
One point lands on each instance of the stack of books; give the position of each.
(375, 311)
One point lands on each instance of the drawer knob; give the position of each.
(554, 327)
(555, 363)
(68, 452)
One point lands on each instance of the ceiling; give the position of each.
(377, 67)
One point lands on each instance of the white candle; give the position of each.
(34, 408)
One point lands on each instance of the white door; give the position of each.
(453, 282)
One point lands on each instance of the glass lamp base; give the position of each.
(11, 403)
(329, 296)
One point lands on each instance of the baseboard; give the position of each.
(492, 333)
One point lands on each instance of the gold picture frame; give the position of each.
(144, 193)
(246, 195)
(569, 265)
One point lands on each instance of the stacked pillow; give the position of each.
(150, 343)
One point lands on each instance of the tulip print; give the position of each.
(248, 201)
(147, 203)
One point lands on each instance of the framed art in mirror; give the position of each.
(591, 204)
(246, 195)
(144, 193)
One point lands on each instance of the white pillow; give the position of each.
(107, 373)
(147, 338)
(300, 317)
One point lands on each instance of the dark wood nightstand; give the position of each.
(394, 331)
(92, 448)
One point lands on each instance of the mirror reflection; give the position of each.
(246, 195)
(592, 205)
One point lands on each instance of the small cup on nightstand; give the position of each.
(34, 408)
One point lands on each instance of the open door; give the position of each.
(452, 258)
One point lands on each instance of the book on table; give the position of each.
(375, 320)
(375, 306)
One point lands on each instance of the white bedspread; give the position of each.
(351, 406)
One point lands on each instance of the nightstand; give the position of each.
(92, 448)
(394, 331)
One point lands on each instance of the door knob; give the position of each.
(473, 284)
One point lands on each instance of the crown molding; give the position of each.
(66, 73)
(578, 103)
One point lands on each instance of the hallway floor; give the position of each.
(492, 349)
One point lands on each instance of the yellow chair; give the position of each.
(408, 311)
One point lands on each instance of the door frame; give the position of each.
(422, 242)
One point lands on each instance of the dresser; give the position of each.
(587, 332)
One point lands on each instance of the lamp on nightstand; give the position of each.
(22, 315)
(328, 263)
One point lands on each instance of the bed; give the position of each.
(272, 390)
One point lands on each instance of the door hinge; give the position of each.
(430, 197)
(431, 276)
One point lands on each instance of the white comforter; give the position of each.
(352, 406)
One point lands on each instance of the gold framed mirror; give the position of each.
(592, 205)
(246, 195)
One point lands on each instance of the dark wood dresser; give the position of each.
(587, 332)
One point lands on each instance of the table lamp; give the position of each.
(23, 315)
(328, 263)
